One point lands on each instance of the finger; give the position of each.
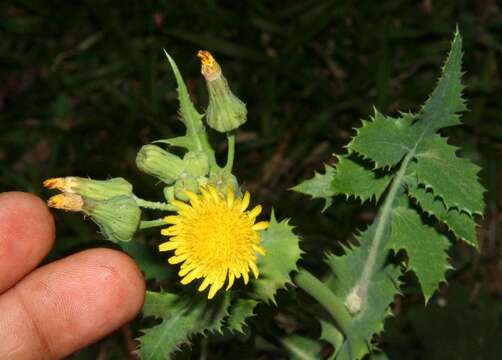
(68, 304)
(26, 235)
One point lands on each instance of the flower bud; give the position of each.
(96, 189)
(196, 163)
(223, 180)
(157, 162)
(118, 217)
(182, 185)
(225, 111)
(169, 193)
(68, 202)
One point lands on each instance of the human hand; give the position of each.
(52, 311)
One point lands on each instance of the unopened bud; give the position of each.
(118, 217)
(225, 111)
(155, 161)
(68, 202)
(182, 185)
(96, 189)
(196, 163)
(222, 180)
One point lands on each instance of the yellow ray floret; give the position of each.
(215, 238)
(209, 67)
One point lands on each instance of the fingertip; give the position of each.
(76, 301)
(27, 233)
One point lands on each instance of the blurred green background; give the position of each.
(83, 84)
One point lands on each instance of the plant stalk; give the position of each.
(151, 223)
(324, 296)
(231, 152)
(154, 205)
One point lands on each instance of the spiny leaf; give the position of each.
(451, 178)
(319, 187)
(383, 284)
(425, 247)
(196, 137)
(384, 140)
(461, 224)
(352, 178)
(442, 108)
(301, 348)
(283, 252)
(181, 317)
(240, 311)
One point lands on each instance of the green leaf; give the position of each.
(319, 187)
(302, 348)
(181, 317)
(283, 252)
(451, 178)
(381, 289)
(353, 178)
(461, 224)
(196, 136)
(180, 141)
(425, 247)
(384, 140)
(442, 108)
(240, 311)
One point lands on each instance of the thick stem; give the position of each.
(357, 297)
(231, 152)
(154, 205)
(151, 223)
(324, 296)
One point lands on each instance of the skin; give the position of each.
(51, 311)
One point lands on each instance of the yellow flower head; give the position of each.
(214, 238)
(209, 67)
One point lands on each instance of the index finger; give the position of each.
(26, 235)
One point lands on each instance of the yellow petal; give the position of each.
(194, 199)
(188, 279)
(230, 197)
(245, 201)
(181, 205)
(177, 259)
(255, 212)
(214, 289)
(168, 245)
(204, 284)
(259, 250)
(262, 225)
(254, 269)
(245, 276)
(172, 219)
(231, 279)
(214, 193)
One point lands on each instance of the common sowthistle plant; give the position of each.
(402, 163)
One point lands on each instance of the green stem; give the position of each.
(360, 290)
(231, 152)
(324, 296)
(151, 223)
(154, 205)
